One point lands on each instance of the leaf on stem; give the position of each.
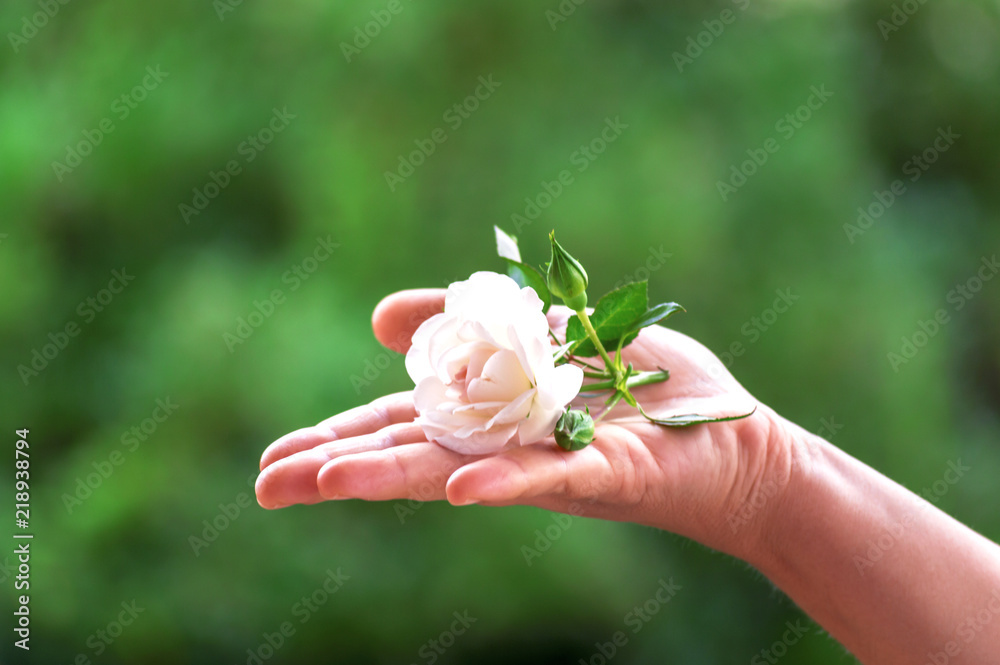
(525, 275)
(654, 315)
(688, 419)
(612, 318)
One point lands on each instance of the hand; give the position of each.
(691, 481)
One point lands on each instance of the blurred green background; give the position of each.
(74, 208)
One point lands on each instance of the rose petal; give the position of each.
(502, 379)
(478, 444)
(539, 424)
(418, 364)
(561, 386)
(518, 409)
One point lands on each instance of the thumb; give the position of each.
(398, 316)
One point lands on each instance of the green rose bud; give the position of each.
(575, 430)
(566, 277)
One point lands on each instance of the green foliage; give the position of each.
(613, 317)
(647, 207)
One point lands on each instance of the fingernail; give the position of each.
(465, 502)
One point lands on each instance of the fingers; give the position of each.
(293, 479)
(397, 317)
(382, 412)
(418, 471)
(523, 475)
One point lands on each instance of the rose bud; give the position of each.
(566, 277)
(575, 430)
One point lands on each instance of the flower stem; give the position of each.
(607, 409)
(592, 334)
(640, 379)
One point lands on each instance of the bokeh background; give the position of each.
(654, 191)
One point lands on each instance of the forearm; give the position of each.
(890, 576)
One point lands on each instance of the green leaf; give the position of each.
(525, 275)
(613, 316)
(654, 315)
(688, 419)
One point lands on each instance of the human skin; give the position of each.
(761, 489)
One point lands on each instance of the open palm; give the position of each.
(686, 480)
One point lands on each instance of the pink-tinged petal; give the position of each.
(429, 394)
(530, 314)
(418, 363)
(443, 340)
(517, 410)
(501, 381)
(478, 444)
(456, 361)
(476, 363)
(540, 423)
(453, 420)
(524, 357)
(563, 385)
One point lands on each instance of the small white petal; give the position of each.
(507, 246)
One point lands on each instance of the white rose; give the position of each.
(484, 369)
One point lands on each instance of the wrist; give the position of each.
(757, 523)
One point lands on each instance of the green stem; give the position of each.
(607, 409)
(572, 358)
(640, 379)
(592, 334)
